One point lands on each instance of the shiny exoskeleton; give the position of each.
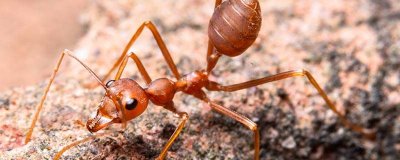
(233, 27)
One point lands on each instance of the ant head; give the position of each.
(123, 101)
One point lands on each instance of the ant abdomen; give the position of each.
(234, 26)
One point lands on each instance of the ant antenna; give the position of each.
(87, 68)
(40, 105)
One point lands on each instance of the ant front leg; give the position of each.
(40, 105)
(139, 65)
(184, 117)
(142, 71)
(160, 43)
(213, 86)
(76, 143)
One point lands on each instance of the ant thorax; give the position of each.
(193, 82)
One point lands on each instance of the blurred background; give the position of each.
(32, 34)
(351, 47)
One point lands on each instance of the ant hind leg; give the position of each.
(213, 86)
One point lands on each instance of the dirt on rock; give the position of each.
(350, 47)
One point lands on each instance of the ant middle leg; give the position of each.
(160, 43)
(40, 105)
(213, 86)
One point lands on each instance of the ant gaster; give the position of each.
(233, 27)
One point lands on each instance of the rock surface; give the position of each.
(351, 47)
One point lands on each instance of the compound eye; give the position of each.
(131, 103)
(109, 83)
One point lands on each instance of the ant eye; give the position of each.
(109, 83)
(131, 103)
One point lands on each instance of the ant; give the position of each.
(233, 28)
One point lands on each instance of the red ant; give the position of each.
(233, 27)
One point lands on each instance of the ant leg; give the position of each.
(40, 105)
(184, 117)
(213, 86)
(212, 57)
(161, 45)
(238, 117)
(139, 65)
(59, 153)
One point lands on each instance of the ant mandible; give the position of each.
(233, 27)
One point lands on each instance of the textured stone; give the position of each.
(351, 47)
